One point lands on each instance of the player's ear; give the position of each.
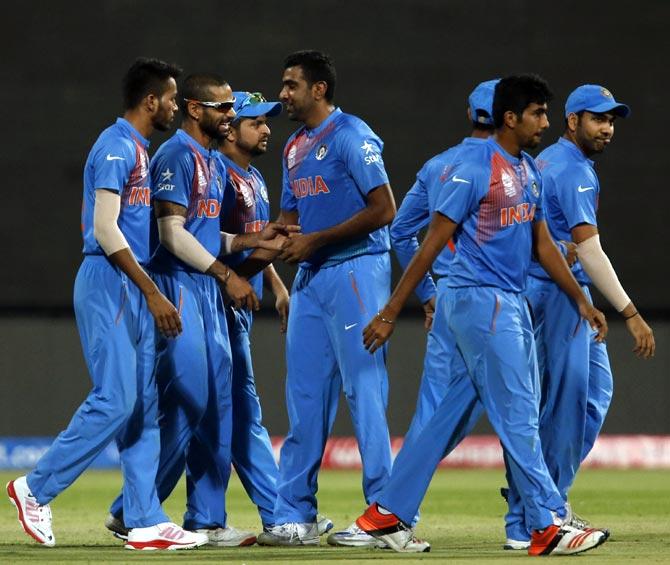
(572, 121)
(510, 119)
(319, 89)
(151, 103)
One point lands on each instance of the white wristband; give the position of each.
(227, 243)
(599, 268)
(105, 227)
(182, 244)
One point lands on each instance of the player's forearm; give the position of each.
(554, 263)
(183, 244)
(272, 281)
(126, 261)
(256, 262)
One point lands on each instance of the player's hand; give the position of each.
(378, 331)
(281, 304)
(240, 292)
(429, 312)
(298, 247)
(595, 318)
(645, 345)
(571, 256)
(166, 315)
(274, 235)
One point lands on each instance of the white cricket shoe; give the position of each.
(353, 536)
(228, 537)
(290, 534)
(166, 535)
(34, 517)
(323, 524)
(116, 526)
(565, 540)
(516, 544)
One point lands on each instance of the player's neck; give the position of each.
(242, 160)
(141, 122)
(569, 136)
(318, 115)
(508, 142)
(192, 129)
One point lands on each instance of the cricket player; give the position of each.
(336, 187)
(576, 376)
(117, 307)
(493, 203)
(194, 370)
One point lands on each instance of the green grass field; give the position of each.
(462, 518)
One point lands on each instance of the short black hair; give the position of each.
(515, 93)
(196, 87)
(317, 67)
(146, 76)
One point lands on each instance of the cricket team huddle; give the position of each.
(178, 249)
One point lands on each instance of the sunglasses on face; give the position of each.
(221, 106)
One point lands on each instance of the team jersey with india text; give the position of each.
(246, 209)
(328, 172)
(187, 174)
(119, 162)
(571, 192)
(417, 209)
(494, 198)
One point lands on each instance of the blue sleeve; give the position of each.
(288, 199)
(461, 193)
(179, 168)
(412, 216)
(112, 164)
(361, 152)
(577, 194)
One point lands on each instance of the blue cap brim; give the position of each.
(269, 109)
(621, 110)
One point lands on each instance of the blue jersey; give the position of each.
(571, 192)
(187, 174)
(119, 162)
(495, 198)
(328, 172)
(246, 209)
(416, 211)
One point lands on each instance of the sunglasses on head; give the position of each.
(252, 98)
(222, 106)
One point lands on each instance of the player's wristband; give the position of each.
(631, 316)
(385, 320)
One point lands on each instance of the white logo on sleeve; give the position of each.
(581, 188)
(349, 326)
(166, 175)
(455, 178)
(164, 184)
(114, 158)
(368, 147)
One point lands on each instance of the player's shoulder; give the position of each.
(353, 124)
(256, 173)
(174, 149)
(115, 140)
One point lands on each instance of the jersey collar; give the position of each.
(511, 158)
(318, 129)
(575, 151)
(230, 164)
(125, 124)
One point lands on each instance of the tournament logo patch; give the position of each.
(535, 190)
(605, 92)
(291, 156)
(321, 152)
(508, 184)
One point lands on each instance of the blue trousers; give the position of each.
(118, 339)
(576, 390)
(494, 339)
(324, 354)
(194, 387)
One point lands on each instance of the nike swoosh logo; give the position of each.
(114, 158)
(581, 188)
(456, 179)
(349, 326)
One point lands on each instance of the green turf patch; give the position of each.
(461, 517)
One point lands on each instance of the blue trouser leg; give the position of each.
(352, 293)
(252, 452)
(494, 333)
(181, 376)
(116, 337)
(312, 392)
(601, 387)
(208, 461)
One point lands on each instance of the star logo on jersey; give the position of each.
(508, 184)
(535, 190)
(321, 152)
(166, 175)
(581, 188)
(367, 147)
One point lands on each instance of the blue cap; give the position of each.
(254, 104)
(596, 99)
(481, 98)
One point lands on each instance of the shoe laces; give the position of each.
(290, 530)
(42, 512)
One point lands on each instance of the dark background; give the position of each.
(404, 67)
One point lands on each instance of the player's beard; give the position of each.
(212, 128)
